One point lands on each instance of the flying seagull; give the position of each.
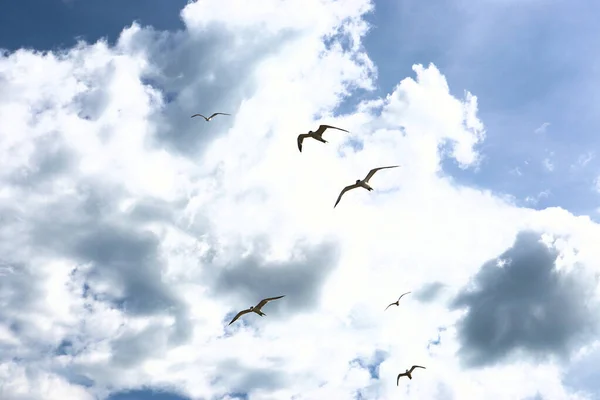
(397, 302)
(408, 373)
(255, 308)
(209, 118)
(362, 184)
(318, 135)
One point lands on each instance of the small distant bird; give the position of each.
(397, 302)
(408, 373)
(209, 118)
(255, 309)
(362, 184)
(318, 135)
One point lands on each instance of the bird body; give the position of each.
(255, 309)
(362, 183)
(317, 135)
(397, 302)
(208, 118)
(407, 373)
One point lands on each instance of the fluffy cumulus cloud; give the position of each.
(132, 233)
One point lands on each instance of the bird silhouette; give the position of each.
(397, 302)
(209, 118)
(361, 183)
(317, 135)
(256, 309)
(408, 373)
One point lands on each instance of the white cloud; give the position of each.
(126, 223)
(516, 171)
(583, 160)
(542, 128)
(597, 184)
(533, 200)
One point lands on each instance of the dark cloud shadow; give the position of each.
(537, 396)
(584, 374)
(21, 292)
(120, 261)
(203, 74)
(148, 394)
(50, 159)
(91, 103)
(155, 210)
(444, 392)
(251, 279)
(131, 349)
(429, 292)
(132, 261)
(525, 307)
(240, 378)
(235, 396)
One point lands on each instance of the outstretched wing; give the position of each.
(323, 127)
(389, 306)
(300, 139)
(415, 366)
(239, 315)
(344, 190)
(217, 114)
(372, 172)
(398, 378)
(198, 115)
(402, 295)
(265, 301)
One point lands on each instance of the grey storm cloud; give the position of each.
(154, 210)
(106, 246)
(130, 259)
(525, 307)
(584, 374)
(131, 349)
(20, 295)
(91, 103)
(216, 61)
(87, 228)
(50, 158)
(429, 292)
(249, 279)
(244, 379)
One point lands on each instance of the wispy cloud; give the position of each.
(534, 200)
(597, 184)
(542, 128)
(583, 160)
(516, 171)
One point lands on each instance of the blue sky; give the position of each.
(533, 68)
(528, 65)
(47, 25)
